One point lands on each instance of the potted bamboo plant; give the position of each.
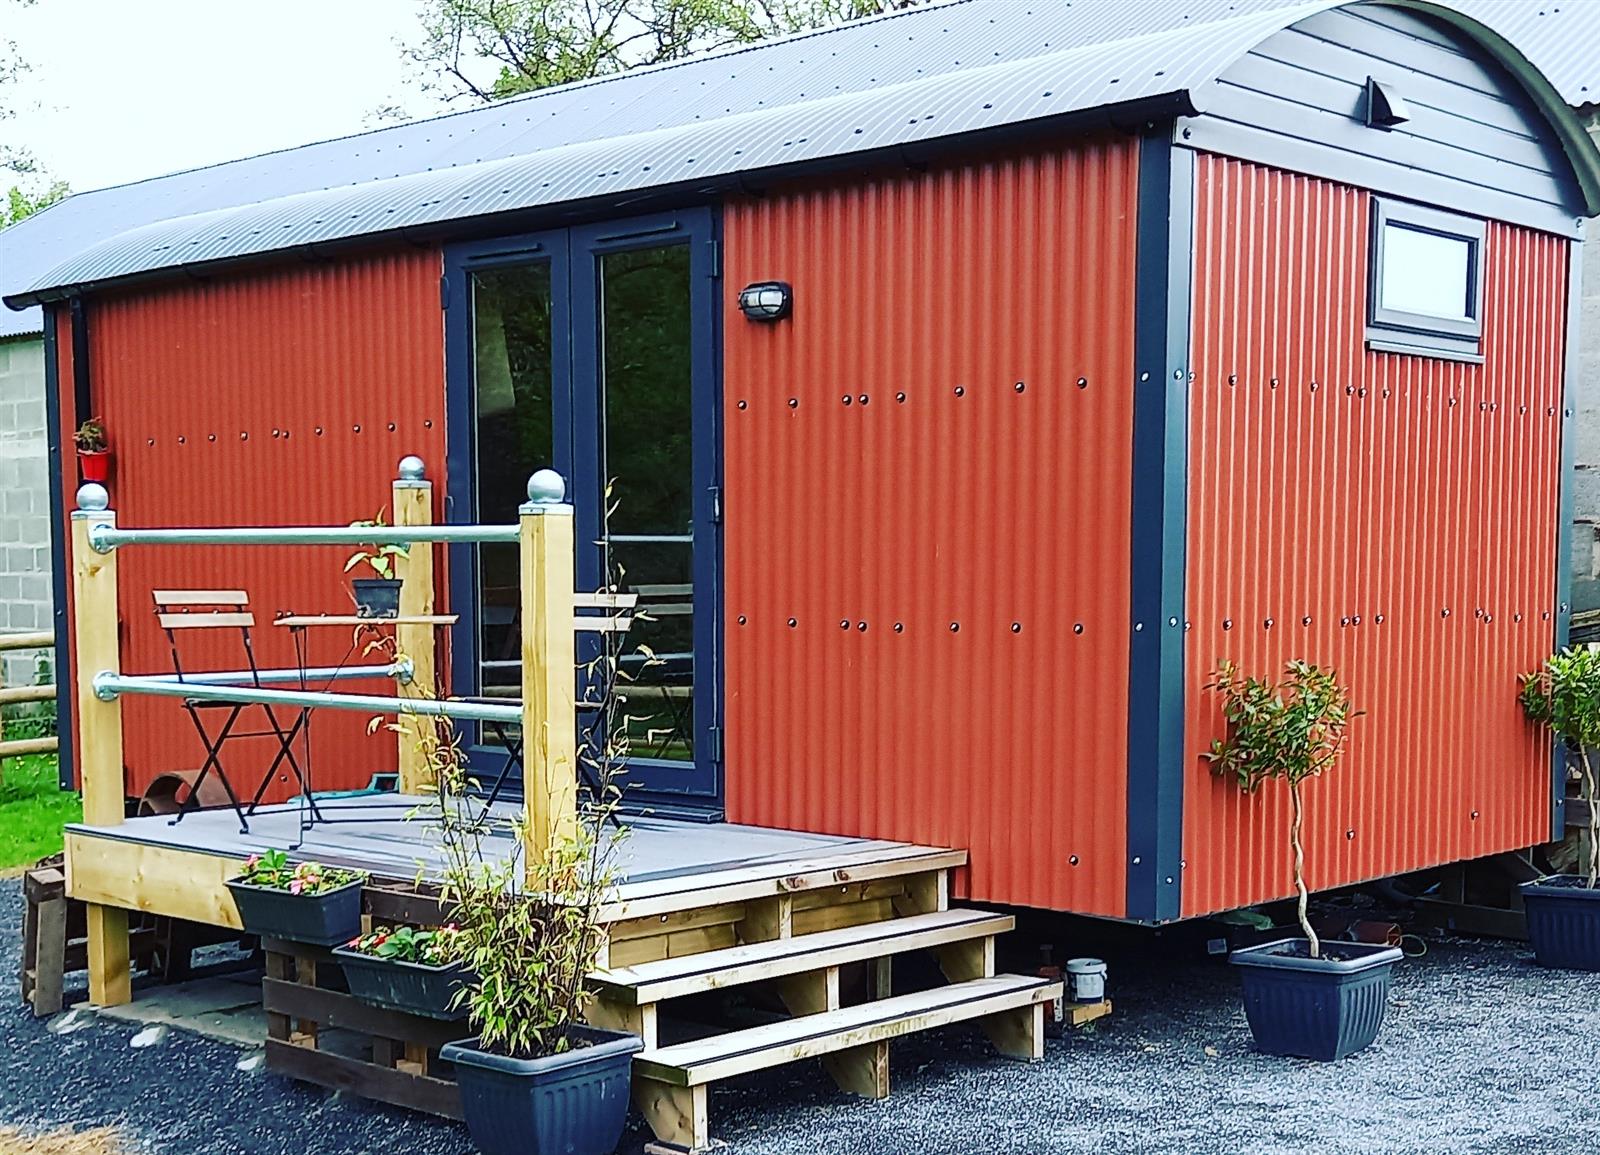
(307, 902)
(1302, 997)
(377, 596)
(404, 968)
(94, 451)
(1563, 910)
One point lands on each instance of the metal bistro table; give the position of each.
(299, 626)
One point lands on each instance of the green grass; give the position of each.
(33, 808)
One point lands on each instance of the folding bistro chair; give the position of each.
(184, 610)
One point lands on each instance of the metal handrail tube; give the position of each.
(400, 669)
(107, 686)
(105, 538)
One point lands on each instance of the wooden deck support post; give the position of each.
(413, 505)
(100, 774)
(549, 666)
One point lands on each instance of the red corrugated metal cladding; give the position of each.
(1404, 507)
(927, 550)
(280, 397)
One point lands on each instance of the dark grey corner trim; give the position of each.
(1563, 617)
(1163, 273)
(60, 562)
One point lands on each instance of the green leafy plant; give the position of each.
(381, 559)
(439, 947)
(271, 869)
(1563, 695)
(91, 436)
(1292, 730)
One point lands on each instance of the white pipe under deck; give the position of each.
(107, 687)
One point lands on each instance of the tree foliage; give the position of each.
(491, 49)
(20, 203)
(1293, 729)
(1563, 695)
(33, 191)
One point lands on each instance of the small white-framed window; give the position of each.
(1425, 283)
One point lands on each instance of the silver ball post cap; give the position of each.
(545, 487)
(93, 498)
(412, 468)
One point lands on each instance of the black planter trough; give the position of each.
(376, 597)
(415, 988)
(1563, 922)
(1309, 1008)
(574, 1103)
(326, 919)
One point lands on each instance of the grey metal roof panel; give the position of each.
(911, 76)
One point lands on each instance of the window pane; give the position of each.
(1425, 273)
(512, 376)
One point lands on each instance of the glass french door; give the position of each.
(593, 348)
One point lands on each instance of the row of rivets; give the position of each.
(282, 434)
(898, 627)
(901, 397)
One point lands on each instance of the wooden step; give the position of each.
(649, 898)
(670, 1084)
(713, 970)
(757, 1048)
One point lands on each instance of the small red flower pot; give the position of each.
(95, 466)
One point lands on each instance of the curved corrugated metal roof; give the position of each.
(908, 78)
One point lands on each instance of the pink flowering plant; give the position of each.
(440, 947)
(271, 869)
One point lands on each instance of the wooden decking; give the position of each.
(700, 908)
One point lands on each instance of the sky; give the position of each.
(121, 90)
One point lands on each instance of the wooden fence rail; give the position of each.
(9, 643)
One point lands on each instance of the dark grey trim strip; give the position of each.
(60, 563)
(1445, 334)
(1563, 623)
(1163, 287)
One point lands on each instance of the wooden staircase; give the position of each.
(793, 927)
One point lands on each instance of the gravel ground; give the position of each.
(1481, 1052)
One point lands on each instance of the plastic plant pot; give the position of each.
(573, 1103)
(95, 465)
(1310, 1008)
(397, 985)
(1563, 922)
(376, 597)
(326, 919)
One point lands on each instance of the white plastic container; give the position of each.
(1086, 979)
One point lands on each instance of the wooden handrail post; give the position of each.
(100, 773)
(413, 505)
(549, 667)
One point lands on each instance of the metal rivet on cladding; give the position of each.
(276, 433)
(1177, 374)
(1349, 834)
(1267, 625)
(794, 403)
(742, 619)
(899, 628)
(862, 626)
(1550, 412)
(1313, 387)
(1144, 376)
(1138, 627)
(1073, 859)
(900, 397)
(955, 627)
(1020, 386)
(1306, 621)
(1233, 378)
(1344, 621)
(358, 428)
(1016, 627)
(149, 440)
(1349, 390)
(1227, 623)
(1137, 860)
(1188, 626)
(1453, 401)
(1083, 382)
(319, 431)
(961, 390)
(844, 623)
(1361, 392)
(213, 436)
(1444, 613)
(1356, 621)
(847, 398)
(244, 437)
(1172, 621)
(793, 623)
(182, 440)
(428, 424)
(1545, 615)
(1273, 383)
(744, 405)
(862, 399)
(1563, 607)
(1516, 617)
(1388, 392)
(1474, 815)
(1377, 620)
(391, 427)
(1487, 618)
(1077, 627)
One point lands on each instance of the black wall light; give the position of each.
(766, 300)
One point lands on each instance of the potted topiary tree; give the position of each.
(1302, 997)
(1563, 910)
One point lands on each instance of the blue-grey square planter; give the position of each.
(326, 919)
(569, 1104)
(397, 985)
(1315, 1008)
(1563, 922)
